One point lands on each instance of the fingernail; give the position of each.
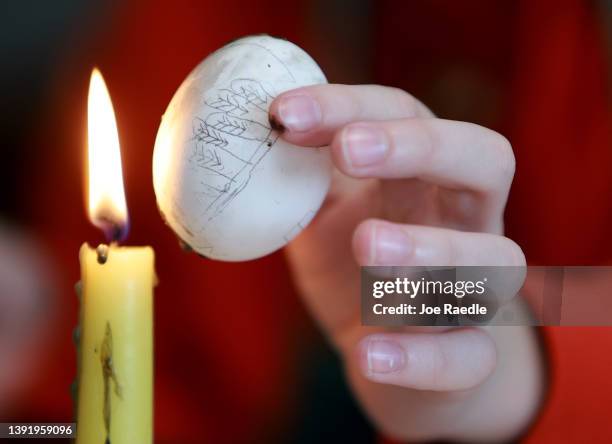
(390, 246)
(299, 113)
(364, 146)
(382, 356)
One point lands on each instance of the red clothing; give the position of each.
(543, 67)
(568, 131)
(547, 59)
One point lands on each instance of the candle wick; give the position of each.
(102, 252)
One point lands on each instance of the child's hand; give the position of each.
(411, 190)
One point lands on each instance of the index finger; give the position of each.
(309, 116)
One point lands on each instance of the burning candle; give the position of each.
(115, 376)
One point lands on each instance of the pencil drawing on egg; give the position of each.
(240, 111)
(225, 182)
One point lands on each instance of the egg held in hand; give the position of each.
(225, 182)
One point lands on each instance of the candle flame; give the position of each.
(106, 197)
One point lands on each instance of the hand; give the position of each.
(411, 189)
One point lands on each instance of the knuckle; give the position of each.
(425, 144)
(507, 161)
(515, 252)
(451, 251)
(486, 360)
(404, 102)
(361, 242)
(353, 100)
(483, 362)
(440, 365)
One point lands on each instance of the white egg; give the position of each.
(225, 182)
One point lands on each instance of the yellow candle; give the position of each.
(115, 391)
(115, 375)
